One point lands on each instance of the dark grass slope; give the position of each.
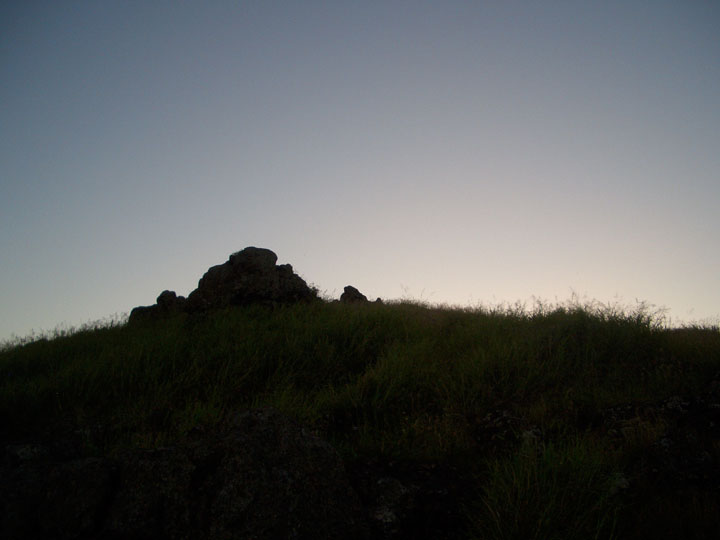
(568, 422)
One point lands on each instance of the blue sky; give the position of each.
(460, 152)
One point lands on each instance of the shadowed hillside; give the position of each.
(563, 422)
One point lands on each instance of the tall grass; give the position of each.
(395, 381)
(544, 491)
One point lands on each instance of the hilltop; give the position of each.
(238, 414)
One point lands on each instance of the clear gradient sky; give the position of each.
(452, 151)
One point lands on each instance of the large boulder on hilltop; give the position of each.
(253, 259)
(351, 295)
(249, 276)
(261, 477)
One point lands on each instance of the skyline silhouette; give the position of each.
(462, 153)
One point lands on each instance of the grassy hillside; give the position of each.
(558, 420)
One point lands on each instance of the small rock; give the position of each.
(618, 483)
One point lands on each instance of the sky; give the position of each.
(460, 152)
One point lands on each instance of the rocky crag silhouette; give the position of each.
(249, 276)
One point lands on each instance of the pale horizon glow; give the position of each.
(467, 153)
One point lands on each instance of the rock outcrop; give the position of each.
(248, 276)
(351, 294)
(263, 477)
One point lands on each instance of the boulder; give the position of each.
(249, 276)
(351, 295)
(167, 304)
(169, 301)
(260, 477)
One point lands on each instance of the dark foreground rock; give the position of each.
(351, 295)
(264, 477)
(168, 303)
(248, 276)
